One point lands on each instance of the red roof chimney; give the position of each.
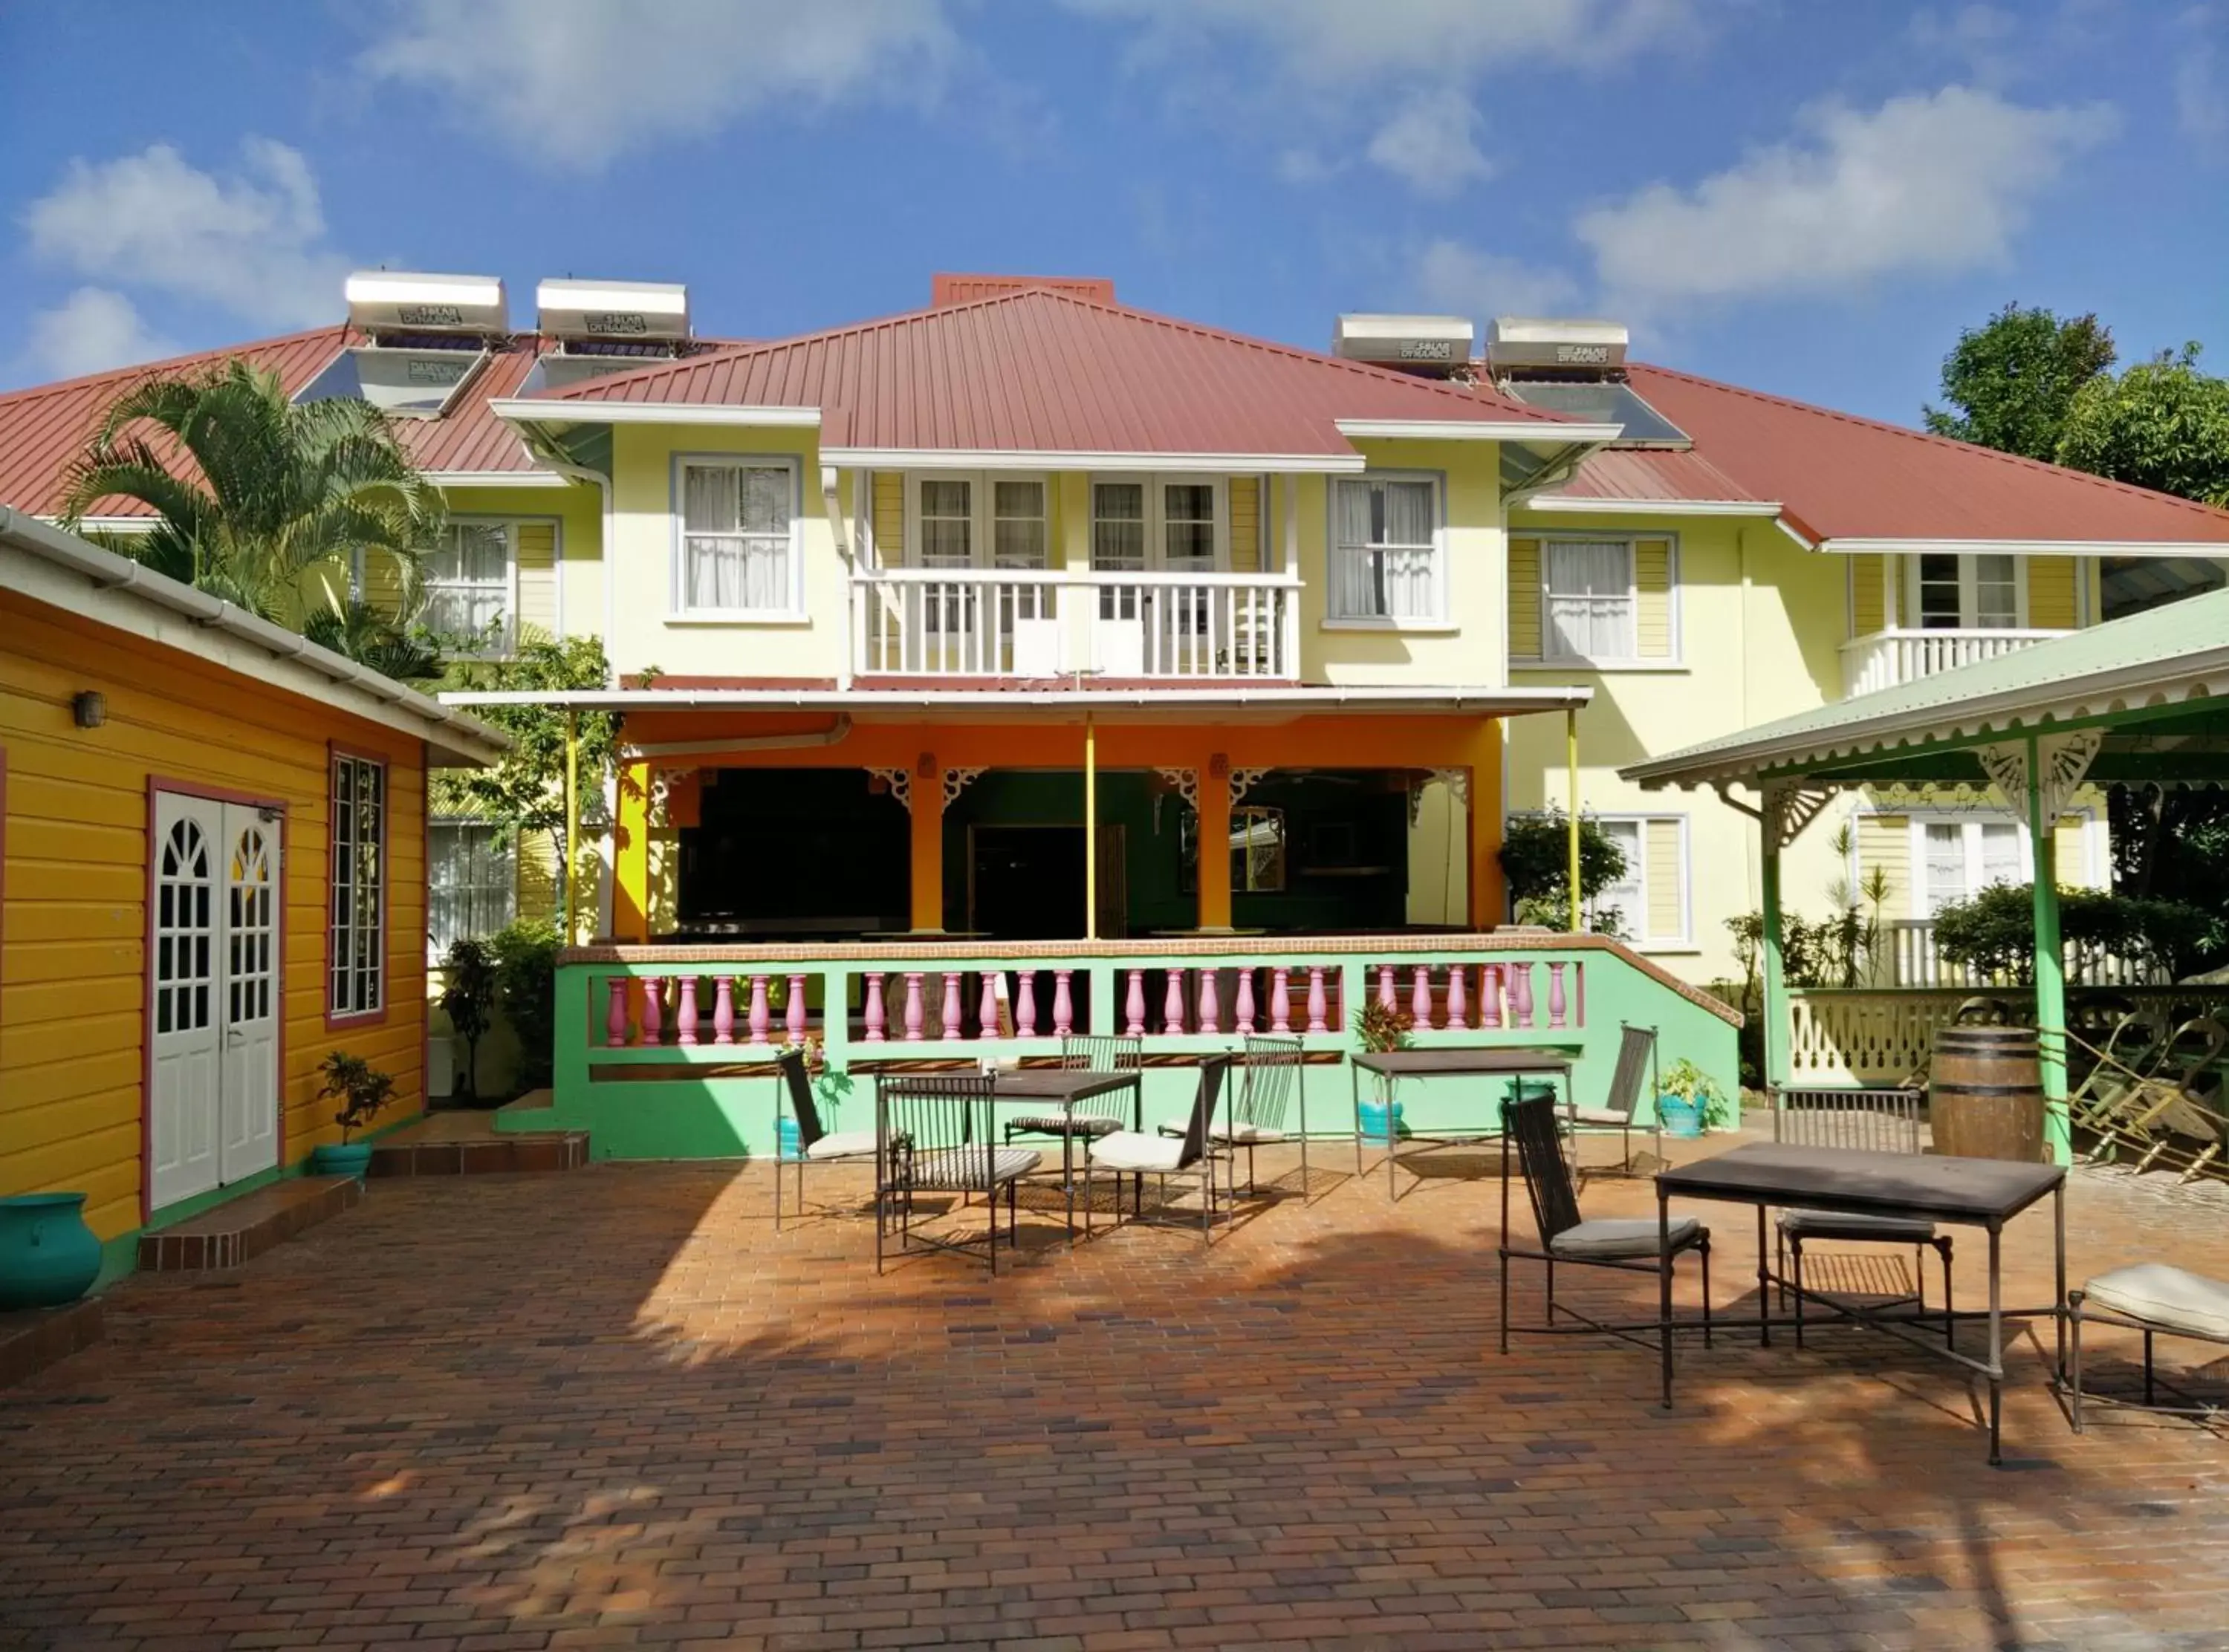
(947, 289)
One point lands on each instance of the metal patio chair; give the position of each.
(1137, 1154)
(934, 1134)
(1636, 1055)
(1631, 1245)
(1109, 1053)
(2159, 1300)
(1272, 1077)
(816, 1143)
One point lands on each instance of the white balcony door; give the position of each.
(1968, 594)
(213, 1095)
(1958, 859)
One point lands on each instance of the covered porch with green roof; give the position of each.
(2137, 703)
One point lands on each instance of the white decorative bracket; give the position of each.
(899, 781)
(957, 781)
(1243, 781)
(1790, 807)
(2065, 760)
(661, 793)
(1185, 782)
(1457, 781)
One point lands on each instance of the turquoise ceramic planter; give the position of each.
(1373, 1121)
(1681, 1117)
(48, 1255)
(352, 1159)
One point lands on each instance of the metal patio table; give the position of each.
(1980, 1192)
(1066, 1088)
(1447, 1061)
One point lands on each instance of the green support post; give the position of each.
(1772, 962)
(2050, 966)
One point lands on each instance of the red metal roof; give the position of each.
(1044, 372)
(44, 428)
(944, 288)
(1839, 476)
(1654, 473)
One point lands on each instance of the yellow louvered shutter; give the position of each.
(1667, 882)
(1524, 599)
(537, 577)
(1246, 524)
(889, 517)
(541, 894)
(2051, 603)
(1885, 842)
(2069, 845)
(1868, 594)
(1652, 587)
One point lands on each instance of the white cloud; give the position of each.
(92, 329)
(1464, 281)
(1925, 183)
(1430, 144)
(581, 83)
(252, 242)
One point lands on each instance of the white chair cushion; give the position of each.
(843, 1145)
(1827, 1224)
(2167, 1296)
(1135, 1150)
(1604, 1116)
(1241, 1133)
(1620, 1238)
(972, 1169)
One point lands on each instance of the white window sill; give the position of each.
(1625, 667)
(737, 616)
(1407, 627)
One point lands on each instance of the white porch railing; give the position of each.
(1885, 658)
(1045, 623)
(1908, 957)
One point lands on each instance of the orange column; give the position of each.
(631, 857)
(1489, 894)
(925, 805)
(1213, 848)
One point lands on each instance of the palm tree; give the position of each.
(262, 493)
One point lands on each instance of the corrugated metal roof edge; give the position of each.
(1466, 393)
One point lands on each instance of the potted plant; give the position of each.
(468, 1000)
(1381, 1028)
(1688, 1099)
(363, 1092)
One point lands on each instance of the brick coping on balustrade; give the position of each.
(930, 951)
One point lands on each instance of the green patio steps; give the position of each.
(517, 1138)
(239, 1230)
(31, 1338)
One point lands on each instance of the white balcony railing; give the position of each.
(1908, 957)
(1045, 622)
(1883, 659)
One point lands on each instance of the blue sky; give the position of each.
(1803, 198)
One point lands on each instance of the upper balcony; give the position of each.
(1883, 659)
(918, 622)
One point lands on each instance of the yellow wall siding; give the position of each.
(1868, 594)
(890, 518)
(2050, 604)
(2069, 844)
(1652, 582)
(1667, 912)
(537, 576)
(1884, 843)
(73, 983)
(1524, 599)
(1246, 524)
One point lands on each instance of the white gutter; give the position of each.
(1483, 701)
(935, 458)
(494, 478)
(1566, 501)
(1471, 430)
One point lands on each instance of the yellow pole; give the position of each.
(572, 812)
(1090, 830)
(1571, 767)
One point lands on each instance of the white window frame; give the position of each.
(1913, 618)
(1971, 821)
(1155, 483)
(982, 515)
(353, 991)
(1441, 618)
(508, 889)
(679, 610)
(508, 645)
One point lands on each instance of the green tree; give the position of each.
(1536, 859)
(254, 494)
(2012, 381)
(2163, 424)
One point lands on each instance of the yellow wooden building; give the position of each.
(212, 874)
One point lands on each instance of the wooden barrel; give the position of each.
(1985, 1093)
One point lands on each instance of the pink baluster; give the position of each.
(1386, 995)
(1317, 1006)
(1244, 1007)
(987, 1006)
(1458, 1005)
(1063, 1005)
(1025, 1003)
(1134, 1006)
(761, 1017)
(875, 1028)
(723, 1009)
(1555, 995)
(1489, 996)
(796, 1006)
(1520, 995)
(685, 1012)
(654, 1009)
(1280, 1000)
(952, 1004)
(616, 1015)
(1420, 995)
(914, 1013)
(1173, 1003)
(1211, 1010)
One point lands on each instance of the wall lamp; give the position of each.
(89, 709)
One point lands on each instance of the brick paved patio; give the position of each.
(614, 1408)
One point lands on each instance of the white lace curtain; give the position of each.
(735, 537)
(1383, 563)
(1590, 608)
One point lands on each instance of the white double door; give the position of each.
(215, 1002)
